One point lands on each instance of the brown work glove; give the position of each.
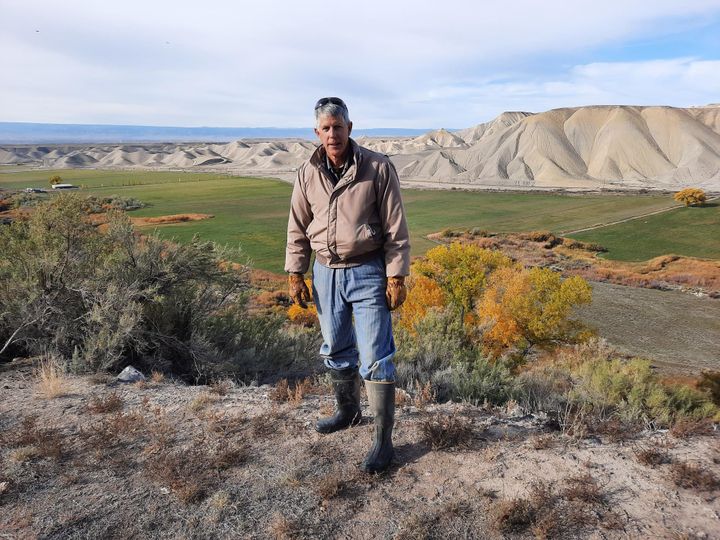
(395, 293)
(299, 291)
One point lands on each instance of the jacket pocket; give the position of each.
(366, 238)
(367, 232)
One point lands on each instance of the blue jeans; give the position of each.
(358, 293)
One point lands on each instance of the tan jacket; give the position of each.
(352, 222)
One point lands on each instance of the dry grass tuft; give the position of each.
(32, 441)
(583, 488)
(424, 395)
(110, 403)
(191, 471)
(543, 442)
(201, 401)
(326, 409)
(435, 522)
(652, 457)
(689, 476)
(280, 392)
(615, 429)
(219, 500)
(512, 515)
(225, 424)
(443, 432)
(266, 424)
(221, 388)
(157, 377)
(23, 454)
(549, 513)
(336, 483)
(229, 454)
(329, 486)
(402, 398)
(183, 471)
(285, 393)
(161, 432)
(414, 527)
(281, 528)
(50, 377)
(111, 431)
(685, 428)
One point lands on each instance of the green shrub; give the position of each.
(96, 205)
(428, 356)
(105, 299)
(442, 355)
(543, 389)
(483, 381)
(591, 380)
(634, 392)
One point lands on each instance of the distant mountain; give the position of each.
(31, 133)
(614, 147)
(600, 146)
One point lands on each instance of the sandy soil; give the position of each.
(263, 472)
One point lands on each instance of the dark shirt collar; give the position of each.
(338, 173)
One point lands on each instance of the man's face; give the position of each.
(334, 134)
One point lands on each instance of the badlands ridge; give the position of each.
(598, 147)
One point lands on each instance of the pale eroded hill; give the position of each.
(618, 147)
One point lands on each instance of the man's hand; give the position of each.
(299, 291)
(395, 293)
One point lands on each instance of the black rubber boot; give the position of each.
(346, 383)
(381, 396)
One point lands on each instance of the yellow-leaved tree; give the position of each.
(461, 271)
(525, 307)
(691, 196)
(423, 295)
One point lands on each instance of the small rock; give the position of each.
(130, 374)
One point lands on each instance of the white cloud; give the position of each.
(398, 63)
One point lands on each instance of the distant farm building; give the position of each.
(64, 186)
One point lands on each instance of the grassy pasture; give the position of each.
(253, 212)
(683, 231)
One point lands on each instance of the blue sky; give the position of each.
(416, 64)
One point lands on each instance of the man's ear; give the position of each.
(349, 128)
(316, 132)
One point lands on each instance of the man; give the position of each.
(346, 207)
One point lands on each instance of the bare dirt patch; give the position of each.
(169, 219)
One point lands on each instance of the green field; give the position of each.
(252, 213)
(683, 231)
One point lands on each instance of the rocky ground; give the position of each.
(163, 460)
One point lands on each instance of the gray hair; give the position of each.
(334, 110)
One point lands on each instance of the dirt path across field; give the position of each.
(608, 224)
